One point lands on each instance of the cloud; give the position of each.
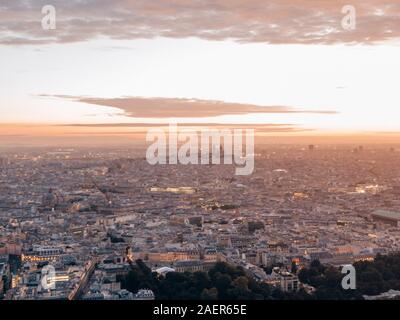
(139, 107)
(272, 21)
(141, 128)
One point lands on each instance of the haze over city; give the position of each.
(231, 150)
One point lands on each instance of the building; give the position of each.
(286, 281)
(144, 294)
(189, 266)
(164, 270)
(289, 282)
(387, 217)
(42, 253)
(2, 271)
(10, 248)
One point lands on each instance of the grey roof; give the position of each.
(395, 215)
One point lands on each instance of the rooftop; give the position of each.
(387, 214)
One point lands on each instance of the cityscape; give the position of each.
(91, 213)
(174, 152)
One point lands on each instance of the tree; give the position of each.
(209, 294)
(222, 283)
(294, 267)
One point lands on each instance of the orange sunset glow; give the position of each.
(252, 63)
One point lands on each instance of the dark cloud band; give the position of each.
(272, 21)
(139, 107)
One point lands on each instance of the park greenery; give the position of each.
(227, 282)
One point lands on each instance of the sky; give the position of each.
(289, 66)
